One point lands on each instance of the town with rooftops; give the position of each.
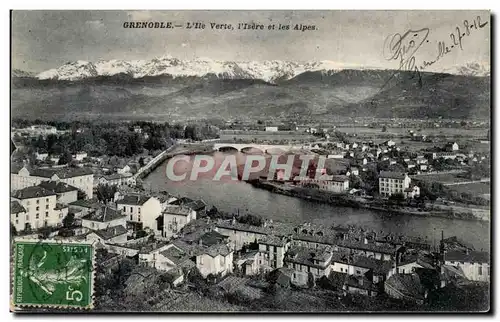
(177, 253)
(251, 161)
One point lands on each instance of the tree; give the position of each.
(81, 195)
(384, 128)
(141, 162)
(65, 158)
(69, 220)
(13, 230)
(105, 192)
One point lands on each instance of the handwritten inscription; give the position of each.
(404, 47)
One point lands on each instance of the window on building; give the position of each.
(46, 199)
(139, 218)
(37, 216)
(45, 223)
(480, 270)
(17, 221)
(131, 218)
(130, 209)
(46, 206)
(139, 210)
(46, 214)
(37, 201)
(358, 271)
(37, 208)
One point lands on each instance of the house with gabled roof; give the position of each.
(141, 208)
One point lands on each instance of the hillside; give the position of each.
(315, 94)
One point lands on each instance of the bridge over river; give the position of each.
(265, 148)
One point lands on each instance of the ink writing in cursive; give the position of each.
(456, 40)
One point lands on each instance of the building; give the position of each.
(141, 209)
(391, 183)
(115, 179)
(248, 263)
(81, 178)
(103, 218)
(271, 129)
(79, 156)
(412, 192)
(114, 235)
(377, 270)
(173, 219)
(475, 265)
(39, 205)
(42, 156)
(17, 215)
(451, 146)
(240, 234)
(215, 260)
(338, 184)
(308, 264)
(65, 193)
(272, 251)
(360, 285)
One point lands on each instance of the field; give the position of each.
(481, 188)
(260, 136)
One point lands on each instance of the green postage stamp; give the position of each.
(53, 274)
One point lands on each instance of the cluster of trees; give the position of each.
(105, 192)
(118, 139)
(250, 219)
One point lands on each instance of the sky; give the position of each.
(47, 39)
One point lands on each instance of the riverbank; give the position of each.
(345, 200)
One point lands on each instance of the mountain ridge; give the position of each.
(272, 71)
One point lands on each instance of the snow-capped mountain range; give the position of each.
(269, 71)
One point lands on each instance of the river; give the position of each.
(243, 197)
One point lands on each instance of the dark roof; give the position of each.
(360, 282)
(16, 167)
(111, 232)
(309, 257)
(212, 238)
(272, 240)
(175, 255)
(407, 284)
(33, 192)
(16, 208)
(62, 173)
(103, 214)
(281, 276)
(339, 178)
(196, 205)
(181, 201)
(392, 175)
(136, 200)
(86, 203)
(241, 227)
(467, 256)
(57, 186)
(214, 250)
(60, 206)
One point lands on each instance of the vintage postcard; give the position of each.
(250, 161)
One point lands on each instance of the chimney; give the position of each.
(233, 221)
(200, 242)
(365, 240)
(467, 251)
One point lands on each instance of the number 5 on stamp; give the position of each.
(53, 274)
